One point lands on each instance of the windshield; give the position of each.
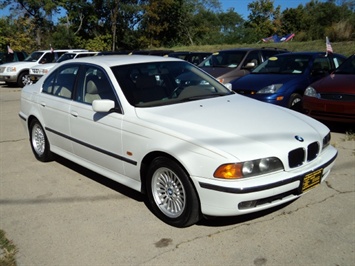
(34, 57)
(348, 67)
(290, 64)
(162, 83)
(230, 59)
(65, 57)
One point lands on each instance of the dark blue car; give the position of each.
(283, 78)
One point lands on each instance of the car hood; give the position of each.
(19, 63)
(259, 81)
(220, 71)
(231, 124)
(339, 83)
(44, 66)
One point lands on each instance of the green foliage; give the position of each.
(7, 251)
(142, 24)
(99, 43)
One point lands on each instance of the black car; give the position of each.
(16, 56)
(192, 57)
(227, 65)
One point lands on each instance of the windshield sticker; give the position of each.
(273, 58)
(216, 53)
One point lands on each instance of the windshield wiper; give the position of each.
(201, 97)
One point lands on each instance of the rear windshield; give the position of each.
(230, 59)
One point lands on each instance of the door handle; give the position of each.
(75, 114)
(43, 104)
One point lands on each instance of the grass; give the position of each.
(7, 251)
(345, 48)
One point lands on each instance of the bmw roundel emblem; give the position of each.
(299, 138)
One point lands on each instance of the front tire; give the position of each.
(295, 102)
(171, 195)
(39, 142)
(23, 79)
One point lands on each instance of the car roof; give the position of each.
(311, 53)
(253, 49)
(116, 60)
(62, 50)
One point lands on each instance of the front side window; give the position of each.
(163, 83)
(94, 85)
(61, 82)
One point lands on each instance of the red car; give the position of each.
(333, 97)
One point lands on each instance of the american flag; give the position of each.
(9, 50)
(328, 45)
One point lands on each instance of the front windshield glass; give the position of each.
(163, 83)
(230, 59)
(65, 57)
(290, 64)
(348, 67)
(34, 57)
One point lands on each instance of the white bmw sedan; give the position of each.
(165, 128)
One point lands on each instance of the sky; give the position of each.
(241, 6)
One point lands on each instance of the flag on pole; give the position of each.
(328, 45)
(9, 50)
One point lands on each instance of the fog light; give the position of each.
(247, 204)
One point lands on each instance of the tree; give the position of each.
(264, 19)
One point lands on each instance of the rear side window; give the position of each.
(61, 83)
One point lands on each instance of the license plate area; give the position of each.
(311, 180)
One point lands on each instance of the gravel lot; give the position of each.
(58, 213)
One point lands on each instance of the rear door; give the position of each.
(55, 100)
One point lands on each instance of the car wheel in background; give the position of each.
(39, 142)
(295, 102)
(22, 79)
(171, 194)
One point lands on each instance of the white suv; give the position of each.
(17, 72)
(37, 71)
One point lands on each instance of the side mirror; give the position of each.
(103, 106)
(249, 65)
(228, 86)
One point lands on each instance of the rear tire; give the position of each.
(39, 142)
(171, 195)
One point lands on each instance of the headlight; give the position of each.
(42, 71)
(311, 92)
(248, 168)
(270, 89)
(11, 69)
(326, 141)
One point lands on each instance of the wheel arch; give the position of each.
(148, 158)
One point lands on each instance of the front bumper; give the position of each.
(8, 78)
(228, 198)
(34, 78)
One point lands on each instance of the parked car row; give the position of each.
(18, 72)
(267, 74)
(31, 68)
